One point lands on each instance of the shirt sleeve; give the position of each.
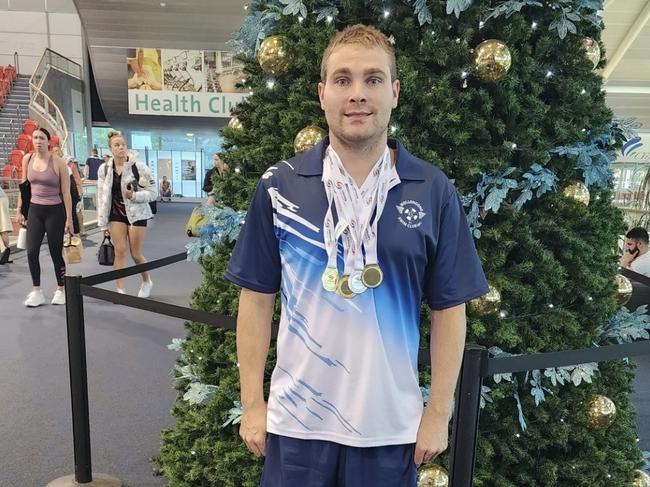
(454, 274)
(255, 262)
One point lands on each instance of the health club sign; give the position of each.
(143, 102)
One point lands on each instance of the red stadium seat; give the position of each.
(10, 171)
(54, 141)
(6, 86)
(29, 126)
(24, 142)
(16, 157)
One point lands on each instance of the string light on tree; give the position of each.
(386, 13)
(549, 74)
(533, 25)
(270, 84)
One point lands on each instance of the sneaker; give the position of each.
(34, 299)
(59, 297)
(145, 289)
(121, 290)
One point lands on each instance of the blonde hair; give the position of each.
(361, 35)
(113, 133)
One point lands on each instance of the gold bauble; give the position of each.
(601, 411)
(235, 124)
(641, 479)
(273, 56)
(432, 475)
(624, 289)
(308, 138)
(492, 60)
(579, 192)
(592, 50)
(487, 304)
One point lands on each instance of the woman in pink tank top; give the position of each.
(50, 211)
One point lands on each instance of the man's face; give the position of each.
(358, 95)
(632, 245)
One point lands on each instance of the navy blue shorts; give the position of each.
(291, 462)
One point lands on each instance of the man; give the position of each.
(92, 165)
(636, 256)
(345, 406)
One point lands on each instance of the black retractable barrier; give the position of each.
(465, 426)
(78, 378)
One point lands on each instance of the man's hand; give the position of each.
(432, 436)
(253, 429)
(626, 259)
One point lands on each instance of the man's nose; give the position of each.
(358, 92)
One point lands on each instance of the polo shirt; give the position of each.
(347, 369)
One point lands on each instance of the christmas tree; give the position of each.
(506, 100)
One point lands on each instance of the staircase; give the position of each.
(17, 109)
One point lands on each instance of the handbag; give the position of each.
(25, 189)
(22, 238)
(106, 252)
(73, 250)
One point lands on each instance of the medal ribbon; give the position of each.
(354, 207)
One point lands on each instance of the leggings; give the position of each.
(42, 219)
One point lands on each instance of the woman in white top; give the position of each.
(124, 191)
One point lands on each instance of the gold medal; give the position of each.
(344, 289)
(372, 275)
(330, 279)
(355, 283)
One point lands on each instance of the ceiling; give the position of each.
(113, 26)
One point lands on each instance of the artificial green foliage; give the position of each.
(553, 261)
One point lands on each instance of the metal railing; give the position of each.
(41, 104)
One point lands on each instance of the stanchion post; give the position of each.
(78, 378)
(466, 415)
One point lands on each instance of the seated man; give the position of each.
(165, 189)
(636, 256)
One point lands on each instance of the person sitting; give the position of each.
(165, 189)
(636, 256)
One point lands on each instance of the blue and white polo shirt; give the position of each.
(346, 369)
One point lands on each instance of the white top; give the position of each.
(642, 264)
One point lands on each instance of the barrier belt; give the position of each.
(129, 271)
(541, 361)
(635, 276)
(212, 319)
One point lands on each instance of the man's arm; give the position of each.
(253, 340)
(448, 329)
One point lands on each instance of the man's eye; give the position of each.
(374, 81)
(341, 82)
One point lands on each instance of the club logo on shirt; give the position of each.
(411, 213)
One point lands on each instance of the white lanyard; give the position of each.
(354, 208)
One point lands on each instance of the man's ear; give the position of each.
(321, 90)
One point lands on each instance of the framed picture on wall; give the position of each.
(188, 170)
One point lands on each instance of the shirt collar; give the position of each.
(311, 162)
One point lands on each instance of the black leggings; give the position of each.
(42, 219)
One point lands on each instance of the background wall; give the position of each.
(29, 26)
